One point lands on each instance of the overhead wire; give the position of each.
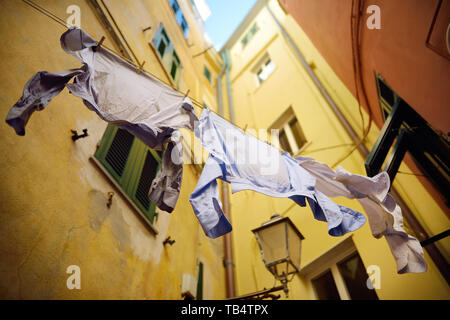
(63, 23)
(357, 73)
(328, 148)
(195, 102)
(46, 12)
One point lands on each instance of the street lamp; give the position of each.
(280, 244)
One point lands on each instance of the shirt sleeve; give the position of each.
(37, 94)
(205, 200)
(166, 185)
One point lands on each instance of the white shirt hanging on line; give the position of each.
(110, 86)
(385, 216)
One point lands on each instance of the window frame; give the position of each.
(249, 35)
(330, 261)
(179, 17)
(127, 183)
(283, 124)
(263, 67)
(207, 74)
(169, 57)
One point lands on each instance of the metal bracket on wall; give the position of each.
(110, 196)
(76, 136)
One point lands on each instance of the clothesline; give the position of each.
(63, 23)
(303, 180)
(194, 101)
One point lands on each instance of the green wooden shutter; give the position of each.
(146, 168)
(200, 282)
(132, 164)
(116, 153)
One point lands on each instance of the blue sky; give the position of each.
(225, 16)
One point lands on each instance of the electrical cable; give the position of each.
(356, 57)
(194, 101)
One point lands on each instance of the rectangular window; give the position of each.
(387, 97)
(412, 134)
(265, 70)
(207, 74)
(179, 17)
(352, 278)
(290, 135)
(249, 35)
(131, 164)
(167, 53)
(355, 278)
(325, 287)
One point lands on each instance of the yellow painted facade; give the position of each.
(53, 197)
(259, 105)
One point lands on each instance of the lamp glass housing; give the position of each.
(280, 244)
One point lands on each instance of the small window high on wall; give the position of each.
(207, 73)
(290, 134)
(179, 17)
(167, 53)
(249, 35)
(263, 68)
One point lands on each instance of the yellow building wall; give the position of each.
(258, 106)
(53, 198)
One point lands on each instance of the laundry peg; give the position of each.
(186, 94)
(139, 70)
(245, 128)
(99, 43)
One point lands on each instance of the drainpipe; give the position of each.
(219, 86)
(417, 228)
(228, 256)
(226, 56)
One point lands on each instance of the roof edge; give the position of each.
(244, 24)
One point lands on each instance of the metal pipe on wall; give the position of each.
(228, 250)
(227, 75)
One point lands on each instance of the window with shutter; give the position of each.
(131, 164)
(119, 150)
(169, 58)
(199, 295)
(181, 20)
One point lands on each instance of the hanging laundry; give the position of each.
(112, 88)
(250, 164)
(385, 216)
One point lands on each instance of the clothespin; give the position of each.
(140, 67)
(186, 94)
(99, 43)
(245, 128)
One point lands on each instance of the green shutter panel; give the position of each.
(116, 153)
(148, 174)
(200, 282)
(145, 171)
(119, 150)
(132, 164)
